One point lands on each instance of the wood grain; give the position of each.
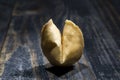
(104, 53)
(27, 52)
(21, 56)
(6, 8)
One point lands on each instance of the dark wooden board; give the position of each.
(24, 59)
(102, 43)
(21, 54)
(6, 8)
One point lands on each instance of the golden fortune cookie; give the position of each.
(62, 49)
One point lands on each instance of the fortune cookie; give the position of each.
(62, 49)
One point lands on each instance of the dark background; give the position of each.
(21, 56)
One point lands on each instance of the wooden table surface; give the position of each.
(21, 57)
